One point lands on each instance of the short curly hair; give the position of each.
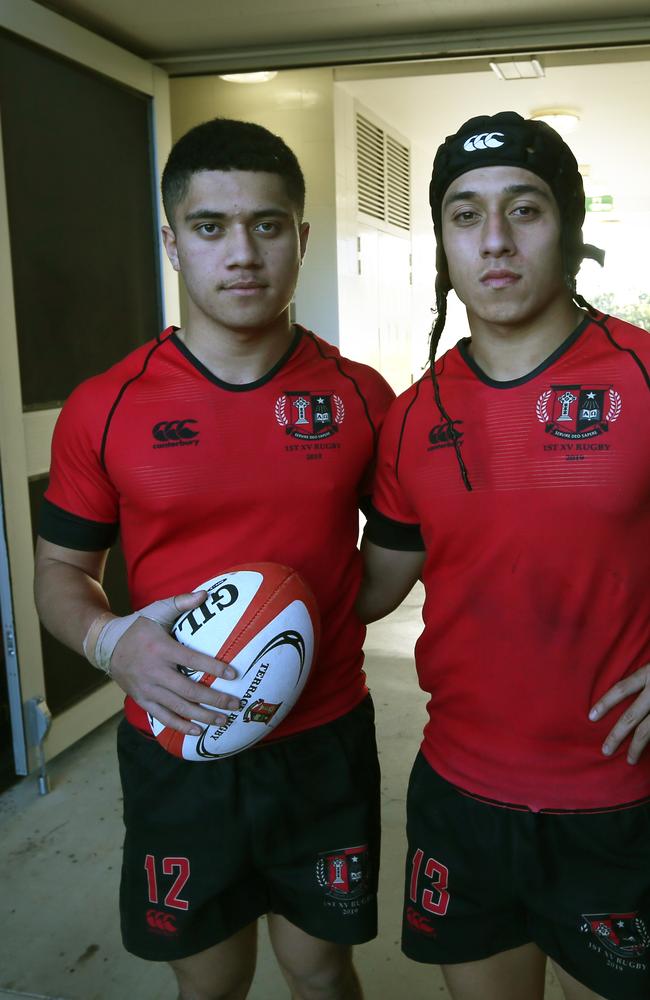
(227, 144)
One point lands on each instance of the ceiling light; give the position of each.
(262, 76)
(517, 69)
(562, 120)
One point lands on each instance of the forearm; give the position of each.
(388, 576)
(69, 597)
(136, 650)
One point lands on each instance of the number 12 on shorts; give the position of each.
(435, 899)
(180, 867)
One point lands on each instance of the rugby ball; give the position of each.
(262, 619)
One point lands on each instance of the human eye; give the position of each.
(526, 211)
(465, 216)
(267, 227)
(208, 229)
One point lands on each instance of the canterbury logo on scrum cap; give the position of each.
(485, 140)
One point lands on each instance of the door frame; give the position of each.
(25, 437)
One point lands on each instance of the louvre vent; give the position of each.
(370, 169)
(383, 175)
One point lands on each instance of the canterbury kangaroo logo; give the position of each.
(174, 430)
(419, 922)
(163, 922)
(486, 140)
(444, 435)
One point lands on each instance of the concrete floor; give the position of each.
(60, 862)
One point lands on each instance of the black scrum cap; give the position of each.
(507, 139)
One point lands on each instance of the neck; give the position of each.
(237, 356)
(505, 353)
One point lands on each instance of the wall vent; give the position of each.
(383, 175)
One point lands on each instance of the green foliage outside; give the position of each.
(637, 313)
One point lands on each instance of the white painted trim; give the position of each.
(162, 147)
(38, 427)
(44, 27)
(13, 467)
(82, 718)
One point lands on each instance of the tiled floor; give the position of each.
(60, 858)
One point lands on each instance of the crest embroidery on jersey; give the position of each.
(309, 416)
(574, 412)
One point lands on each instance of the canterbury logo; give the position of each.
(443, 434)
(160, 921)
(486, 140)
(419, 922)
(174, 430)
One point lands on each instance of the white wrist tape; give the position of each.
(107, 629)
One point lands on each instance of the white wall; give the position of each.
(375, 295)
(608, 89)
(298, 106)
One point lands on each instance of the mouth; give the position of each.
(499, 278)
(243, 287)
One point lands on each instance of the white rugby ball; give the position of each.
(262, 619)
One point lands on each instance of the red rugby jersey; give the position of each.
(200, 475)
(537, 597)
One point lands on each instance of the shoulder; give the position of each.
(406, 408)
(103, 387)
(627, 345)
(627, 336)
(366, 379)
(420, 391)
(88, 407)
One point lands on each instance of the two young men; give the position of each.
(514, 476)
(239, 438)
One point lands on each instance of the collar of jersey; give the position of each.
(230, 386)
(463, 349)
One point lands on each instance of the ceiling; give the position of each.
(386, 46)
(277, 33)
(608, 90)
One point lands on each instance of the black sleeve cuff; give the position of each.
(72, 532)
(365, 506)
(390, 534)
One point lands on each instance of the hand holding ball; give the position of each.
(263, 620)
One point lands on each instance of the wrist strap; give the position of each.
(92, 635)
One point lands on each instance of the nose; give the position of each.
(496, 236)
(242, 249)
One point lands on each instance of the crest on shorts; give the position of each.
(309, 416)
(261, 711)
(624, 934)
(344, 874)
(574, 412)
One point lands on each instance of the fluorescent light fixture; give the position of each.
(262, 76)
(517, 69)
(563, 120)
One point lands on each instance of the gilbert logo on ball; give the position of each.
(262, 619)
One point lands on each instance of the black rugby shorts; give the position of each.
(481, 879)
(289, 827)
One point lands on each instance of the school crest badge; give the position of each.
(575, 412)
(310, 416)
(344, 874)
(623, 934)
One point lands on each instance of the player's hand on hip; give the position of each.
(635, 718)
(141, 656)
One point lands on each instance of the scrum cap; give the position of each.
(507, 139)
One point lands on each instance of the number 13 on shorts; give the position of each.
(435, 898)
